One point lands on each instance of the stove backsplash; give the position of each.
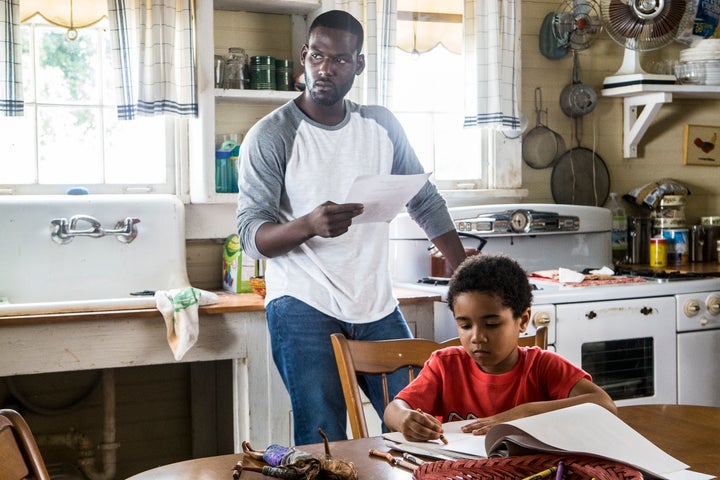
(588, 247)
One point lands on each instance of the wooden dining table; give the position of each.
(691, 434)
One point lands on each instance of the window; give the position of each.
(428, 88)
(70, 134)
(434, 121)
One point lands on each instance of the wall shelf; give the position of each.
(254, 96)
(650, 98)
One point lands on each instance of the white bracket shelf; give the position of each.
(651, 98)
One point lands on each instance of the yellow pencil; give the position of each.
(543, 474)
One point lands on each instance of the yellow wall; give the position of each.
(659, 151)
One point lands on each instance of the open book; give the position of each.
(583, 429)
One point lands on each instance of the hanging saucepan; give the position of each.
(577, 99)
(541, 146)
(441, 268)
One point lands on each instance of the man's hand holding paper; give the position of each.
(384, 196)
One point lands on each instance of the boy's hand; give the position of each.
(419, 427)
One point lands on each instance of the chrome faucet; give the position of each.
(64, 231)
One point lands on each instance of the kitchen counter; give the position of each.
(229, 303)
(711, 269)
(233, 329)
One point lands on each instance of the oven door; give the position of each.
(628, 346)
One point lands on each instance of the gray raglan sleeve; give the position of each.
(261, 172)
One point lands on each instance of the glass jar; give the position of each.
(235, 69)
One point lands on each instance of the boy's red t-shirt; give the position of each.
(451, 386)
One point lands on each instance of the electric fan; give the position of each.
(576, 23)
(641, 26)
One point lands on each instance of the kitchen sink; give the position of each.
(61, 253)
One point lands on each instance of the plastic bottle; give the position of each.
(619, 229)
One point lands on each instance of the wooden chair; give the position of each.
(383, 357)
(19, 454)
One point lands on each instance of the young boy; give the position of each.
(490, 378)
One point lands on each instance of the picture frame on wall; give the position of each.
(700, 146)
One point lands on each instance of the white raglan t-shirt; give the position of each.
(289, 165)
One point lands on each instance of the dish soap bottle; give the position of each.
(619, 230)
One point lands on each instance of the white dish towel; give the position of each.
(179, 308)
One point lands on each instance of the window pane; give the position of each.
(434, 122)
(67, 70)
(431, 81)
(17, 137)
(457, 152)
(69, 145)
(419, 130)
(134, 149)
(28, 65)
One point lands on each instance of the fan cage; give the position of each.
(644, 25)
(576, 23)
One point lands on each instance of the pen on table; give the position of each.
(412, 458)
(442, 437)
(399, 462)
(543, 474)
(560, 470)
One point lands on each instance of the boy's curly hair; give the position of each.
(497, 275)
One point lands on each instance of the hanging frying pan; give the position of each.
(580, 177)
(541, 146)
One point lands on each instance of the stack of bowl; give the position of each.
(700, 64)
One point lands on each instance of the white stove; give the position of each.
(653, 340)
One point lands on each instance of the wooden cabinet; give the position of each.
(249, 24)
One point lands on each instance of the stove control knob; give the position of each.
(541, 319)
(713, 305)
(691, 308)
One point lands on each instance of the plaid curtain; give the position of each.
(379, 20)
(492, 56)
(11, 98)
(153, 44)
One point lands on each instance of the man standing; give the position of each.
(324, 274)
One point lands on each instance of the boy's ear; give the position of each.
(525, 319)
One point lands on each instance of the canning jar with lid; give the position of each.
(235, 75)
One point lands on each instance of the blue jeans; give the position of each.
(303, 354)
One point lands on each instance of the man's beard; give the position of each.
(335, 95)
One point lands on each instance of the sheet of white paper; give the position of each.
(460, 444)
(589, 428)
(383, 196)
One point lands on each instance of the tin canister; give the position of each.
(262, 72)
(678, 251)
(658, 252)
(698, 237)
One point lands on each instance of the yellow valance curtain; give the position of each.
(433, 22)
(65, 13)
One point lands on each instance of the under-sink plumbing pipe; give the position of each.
(84, 445)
